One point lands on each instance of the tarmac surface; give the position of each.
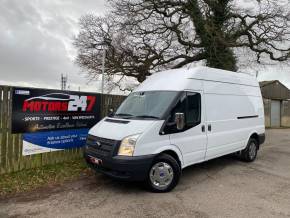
(224, 187)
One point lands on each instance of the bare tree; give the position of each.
(143, 36)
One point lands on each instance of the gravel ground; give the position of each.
(223, 187)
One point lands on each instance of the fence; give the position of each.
(285, 113)
(11, 159)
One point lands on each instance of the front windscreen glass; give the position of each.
(151, 104)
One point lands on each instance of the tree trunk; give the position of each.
(211, 34)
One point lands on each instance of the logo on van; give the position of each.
(98, 144)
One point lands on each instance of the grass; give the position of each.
(28, 180)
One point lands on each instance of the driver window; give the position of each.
(179, 108)
(190, 105)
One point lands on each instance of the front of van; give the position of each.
(121, 145)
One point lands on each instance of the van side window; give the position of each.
(190, 105)
(192, 115)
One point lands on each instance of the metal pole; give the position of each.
(103, 70)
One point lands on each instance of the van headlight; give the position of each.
(127, 146)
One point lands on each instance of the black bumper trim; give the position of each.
(262, 138)
(121, 167)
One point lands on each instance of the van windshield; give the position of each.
(146, 105)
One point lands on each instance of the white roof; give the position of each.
(181, 79)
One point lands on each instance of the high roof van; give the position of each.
(175, 119)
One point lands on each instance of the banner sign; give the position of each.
(40, 142)
(35, 110)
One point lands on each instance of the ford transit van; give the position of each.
(175, 119)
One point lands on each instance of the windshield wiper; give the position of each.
(147, 116)
(124, 115)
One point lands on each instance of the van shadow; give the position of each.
(209, 170)
(191, 175)
(214, 165)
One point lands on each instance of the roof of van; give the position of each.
(180, 79)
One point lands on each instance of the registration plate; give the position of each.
(95, 160)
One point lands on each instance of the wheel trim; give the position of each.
(252, 150)
(161, 175)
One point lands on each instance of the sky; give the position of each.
(36, 44)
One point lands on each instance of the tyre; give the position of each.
(249, 154)
(164, 174)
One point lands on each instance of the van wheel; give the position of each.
(249, 154)
(164, 174)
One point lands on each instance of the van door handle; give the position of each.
(209, 127)
(203, 128)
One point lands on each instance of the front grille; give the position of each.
(100, 146)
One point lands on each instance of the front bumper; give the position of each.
(120, 167)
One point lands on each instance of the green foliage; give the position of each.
(221, 58)
(31, 179)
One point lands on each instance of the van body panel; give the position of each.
(222, 88)
(180, 79)
(151, 141)
(192, 142)
(118, 131)
(169, 80)
(239, 111)
(173, 148)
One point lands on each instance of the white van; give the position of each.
(175, 119)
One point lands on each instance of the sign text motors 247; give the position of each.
(36, 110)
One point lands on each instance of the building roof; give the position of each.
(265, 83)
(274, 89)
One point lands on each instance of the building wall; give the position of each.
(285, 114)
(267, 109)
(276, 91)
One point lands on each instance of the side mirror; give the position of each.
(180, 121)
(111, 112)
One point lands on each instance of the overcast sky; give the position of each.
(36, 43)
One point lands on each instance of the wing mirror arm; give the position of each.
(111, 112)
